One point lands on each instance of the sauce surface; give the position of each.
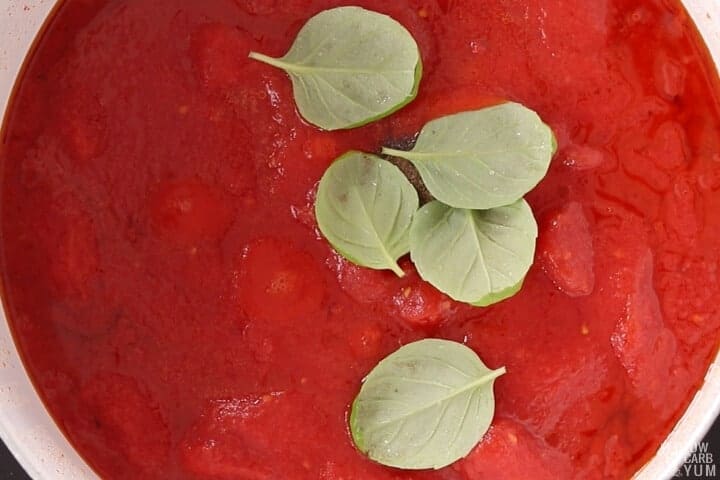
(183, 319)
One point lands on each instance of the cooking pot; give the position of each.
(31, 434)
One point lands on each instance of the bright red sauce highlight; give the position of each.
(182, 319)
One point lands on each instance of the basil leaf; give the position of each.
(350, 66)
(485, 158)
(474, 256)
(501, 295)
(425, 406)
(364, 207)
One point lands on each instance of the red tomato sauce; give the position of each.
(182, 317)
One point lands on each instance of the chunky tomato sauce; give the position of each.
(182, 318)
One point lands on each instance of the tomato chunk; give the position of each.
(83, 123)
(414, 301)
(566, 251)
(279, 282)
(366, 342)
(364, 285)
(219, 53)
(669, 75)
(76, 258)
(681, 215)
(669, 149)
(640, 340)
(541, 391)
(221, 443)
(583, 157)
(190, 211)
(421, 305)
(321, 148)
(582, 420)
(129, 419)
(238, 439)
(510, 452)
(366, 470)
(418, 303)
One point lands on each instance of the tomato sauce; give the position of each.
(182, 318)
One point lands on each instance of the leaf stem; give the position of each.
(394, 153)
(314, 69)
(414, 155)
(275, 62)
(398, 271)
(496, 374)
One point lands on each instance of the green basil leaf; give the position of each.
(350, 66)
(485, 158)
(425, 406)
(364, 207)
(501, 295)
(474, 256)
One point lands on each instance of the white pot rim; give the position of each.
(39, 446)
